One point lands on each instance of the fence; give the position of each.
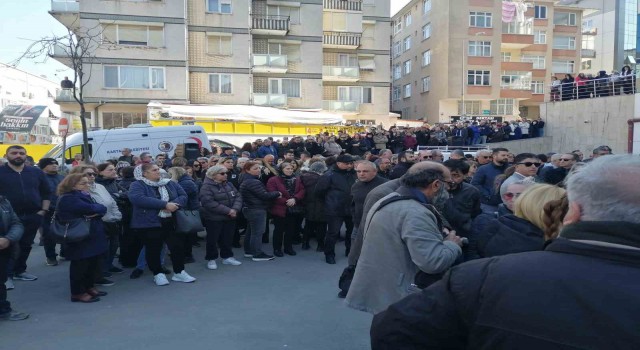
(593, 88)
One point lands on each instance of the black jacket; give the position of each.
(508, 234)
(254, 193)
(218, 199)
(359, 192)
(25, 190)
(462, 208)
(399, 170)
(554, 176)
(313, 204)
(11, 229)
(334, 187)
(573, 295)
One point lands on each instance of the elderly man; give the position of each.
(457, 154)
(126, 156)
(385, 153)
(384, 167)
(368, 179)
(437, 156)
(557, 175)
(402, 237)
(146, 158)
(527, 165)
(483, 157)
(424, 155)
(599, 152)
(496, 303)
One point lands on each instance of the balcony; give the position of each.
(588, 53)
(60, 54)
(341, 106)
(270, 63)
(270, 25)
(271, 100)
(66, 12)
(337, 73)
(516, 66)
(341, 40)
(517, 35)
(345, 5)
(64, 95)
(516, 86)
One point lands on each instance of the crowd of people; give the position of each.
(589, 86)
(409, 216)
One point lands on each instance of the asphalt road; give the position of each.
(288, 303)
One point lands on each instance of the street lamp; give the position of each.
(465, 55)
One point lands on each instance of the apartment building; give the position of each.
(273, 53)
(458, 58)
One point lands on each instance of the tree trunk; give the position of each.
(85, 137)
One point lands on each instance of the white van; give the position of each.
(108, 144)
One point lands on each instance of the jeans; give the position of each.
(483, 139)
(154, 239)
(333, 233)
(221, 231)
(84, 272)
(286, 228)
(31, 225)
(112, 231)
(256, 219)
(5, 305)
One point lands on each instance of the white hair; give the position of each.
(606, 189)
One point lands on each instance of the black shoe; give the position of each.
(306, 246)
(115, 269)
(330, 260)
(105, 283)
(278, 253)
(342, 294)
(107, 274)
(290, 251)
(196, 244)
(189, 260)
(262, 257)
(136, 273)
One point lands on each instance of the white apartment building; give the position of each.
(18, 87)
(275, 53)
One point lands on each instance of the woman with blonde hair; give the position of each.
(524, 230)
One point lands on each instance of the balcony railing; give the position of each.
(521, 28)
(345, 106)
(65, 95)
(588, 53)
(264, 22)
(341, 72)
(279, 61)
(274, 100)
(65, 6)
(342, 38)
(602, 85)
(343, 5)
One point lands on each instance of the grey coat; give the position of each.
(400, 239)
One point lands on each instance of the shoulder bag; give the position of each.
(188, 221)
(73, 231)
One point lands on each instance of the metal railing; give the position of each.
(65, 95)
(270, 60)
(346, 106)
(269, 100)
(347, 5)
(613, 85)
(341, 38)
(341, 72)
(65, 6)
(521, 28)
(270, 22)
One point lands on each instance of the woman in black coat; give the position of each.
(74, 202)
(567, 88)
(315, 220)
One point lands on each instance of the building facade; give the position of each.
(458, 58)
(275, 53)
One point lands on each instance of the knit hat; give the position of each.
(44, 162)
(344, 158)
(318, 168)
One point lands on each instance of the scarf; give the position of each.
(289, 184)
(160, 185)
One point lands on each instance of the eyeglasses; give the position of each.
(427, 157)
(485, 157)
(510, 195)
(223, 173)
(565, 159)
(528, 164)
(91, 174)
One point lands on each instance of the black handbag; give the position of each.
(295, 210)
(73, 231)
(188, 221)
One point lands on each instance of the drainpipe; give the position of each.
(631, 123)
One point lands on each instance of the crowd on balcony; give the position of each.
(589, 86)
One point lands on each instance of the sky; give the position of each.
(28, 20)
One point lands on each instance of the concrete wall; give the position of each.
(536, 145)
(589, 123)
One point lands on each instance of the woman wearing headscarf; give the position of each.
(287, 209)
(155, 200)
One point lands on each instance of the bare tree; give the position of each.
(78, 46)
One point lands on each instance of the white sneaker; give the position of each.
(9, 284)
(211, 265)
(231, 261)
(246, 255)
(182, 277)
(160, 279)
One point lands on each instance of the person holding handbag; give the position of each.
(286, 209)
(180, 176)
(86, 256)
(221, 205)
(155, 202)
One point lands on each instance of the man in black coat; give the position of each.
(335, 188)
(579, 293)
(557, 175)
(464, 204)
(368, 179)
(405, 161)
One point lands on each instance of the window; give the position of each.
(367, 94)
(122, 120)
(395, 95)
(134, 77)
(586, 64)
(426, 31)
(407, 20)
(540, 12)
(405, 112)
(515, 80)
(426, 84)
(397, 72)
(537, 87)
(397, 49)
(357, 94)
(219, 6)
(407, 44)
(539, 36)
(506, 56)
(564, 42)
(406, 67)
(564, 19)
(426, 6)
(470, 108)
(397, 27)
(426, 58)
(502, 106)
(480, 19)
(479, 77)
(286, 11)
(480, 48)
(219, 45)
(588, 42)
(407, 91)
(220, 83)
(135, 35)
(563, 66)
(538, 61)
(289, 87)
(334, 21)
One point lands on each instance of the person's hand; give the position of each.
(451, 236)
(266, 171)
(279, 194)
(280, 161)
(291, 202)
(4, 243)
(233, 213)
(171, 207)
(41, 212)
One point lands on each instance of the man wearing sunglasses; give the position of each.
(527, 165)
(557, 175)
